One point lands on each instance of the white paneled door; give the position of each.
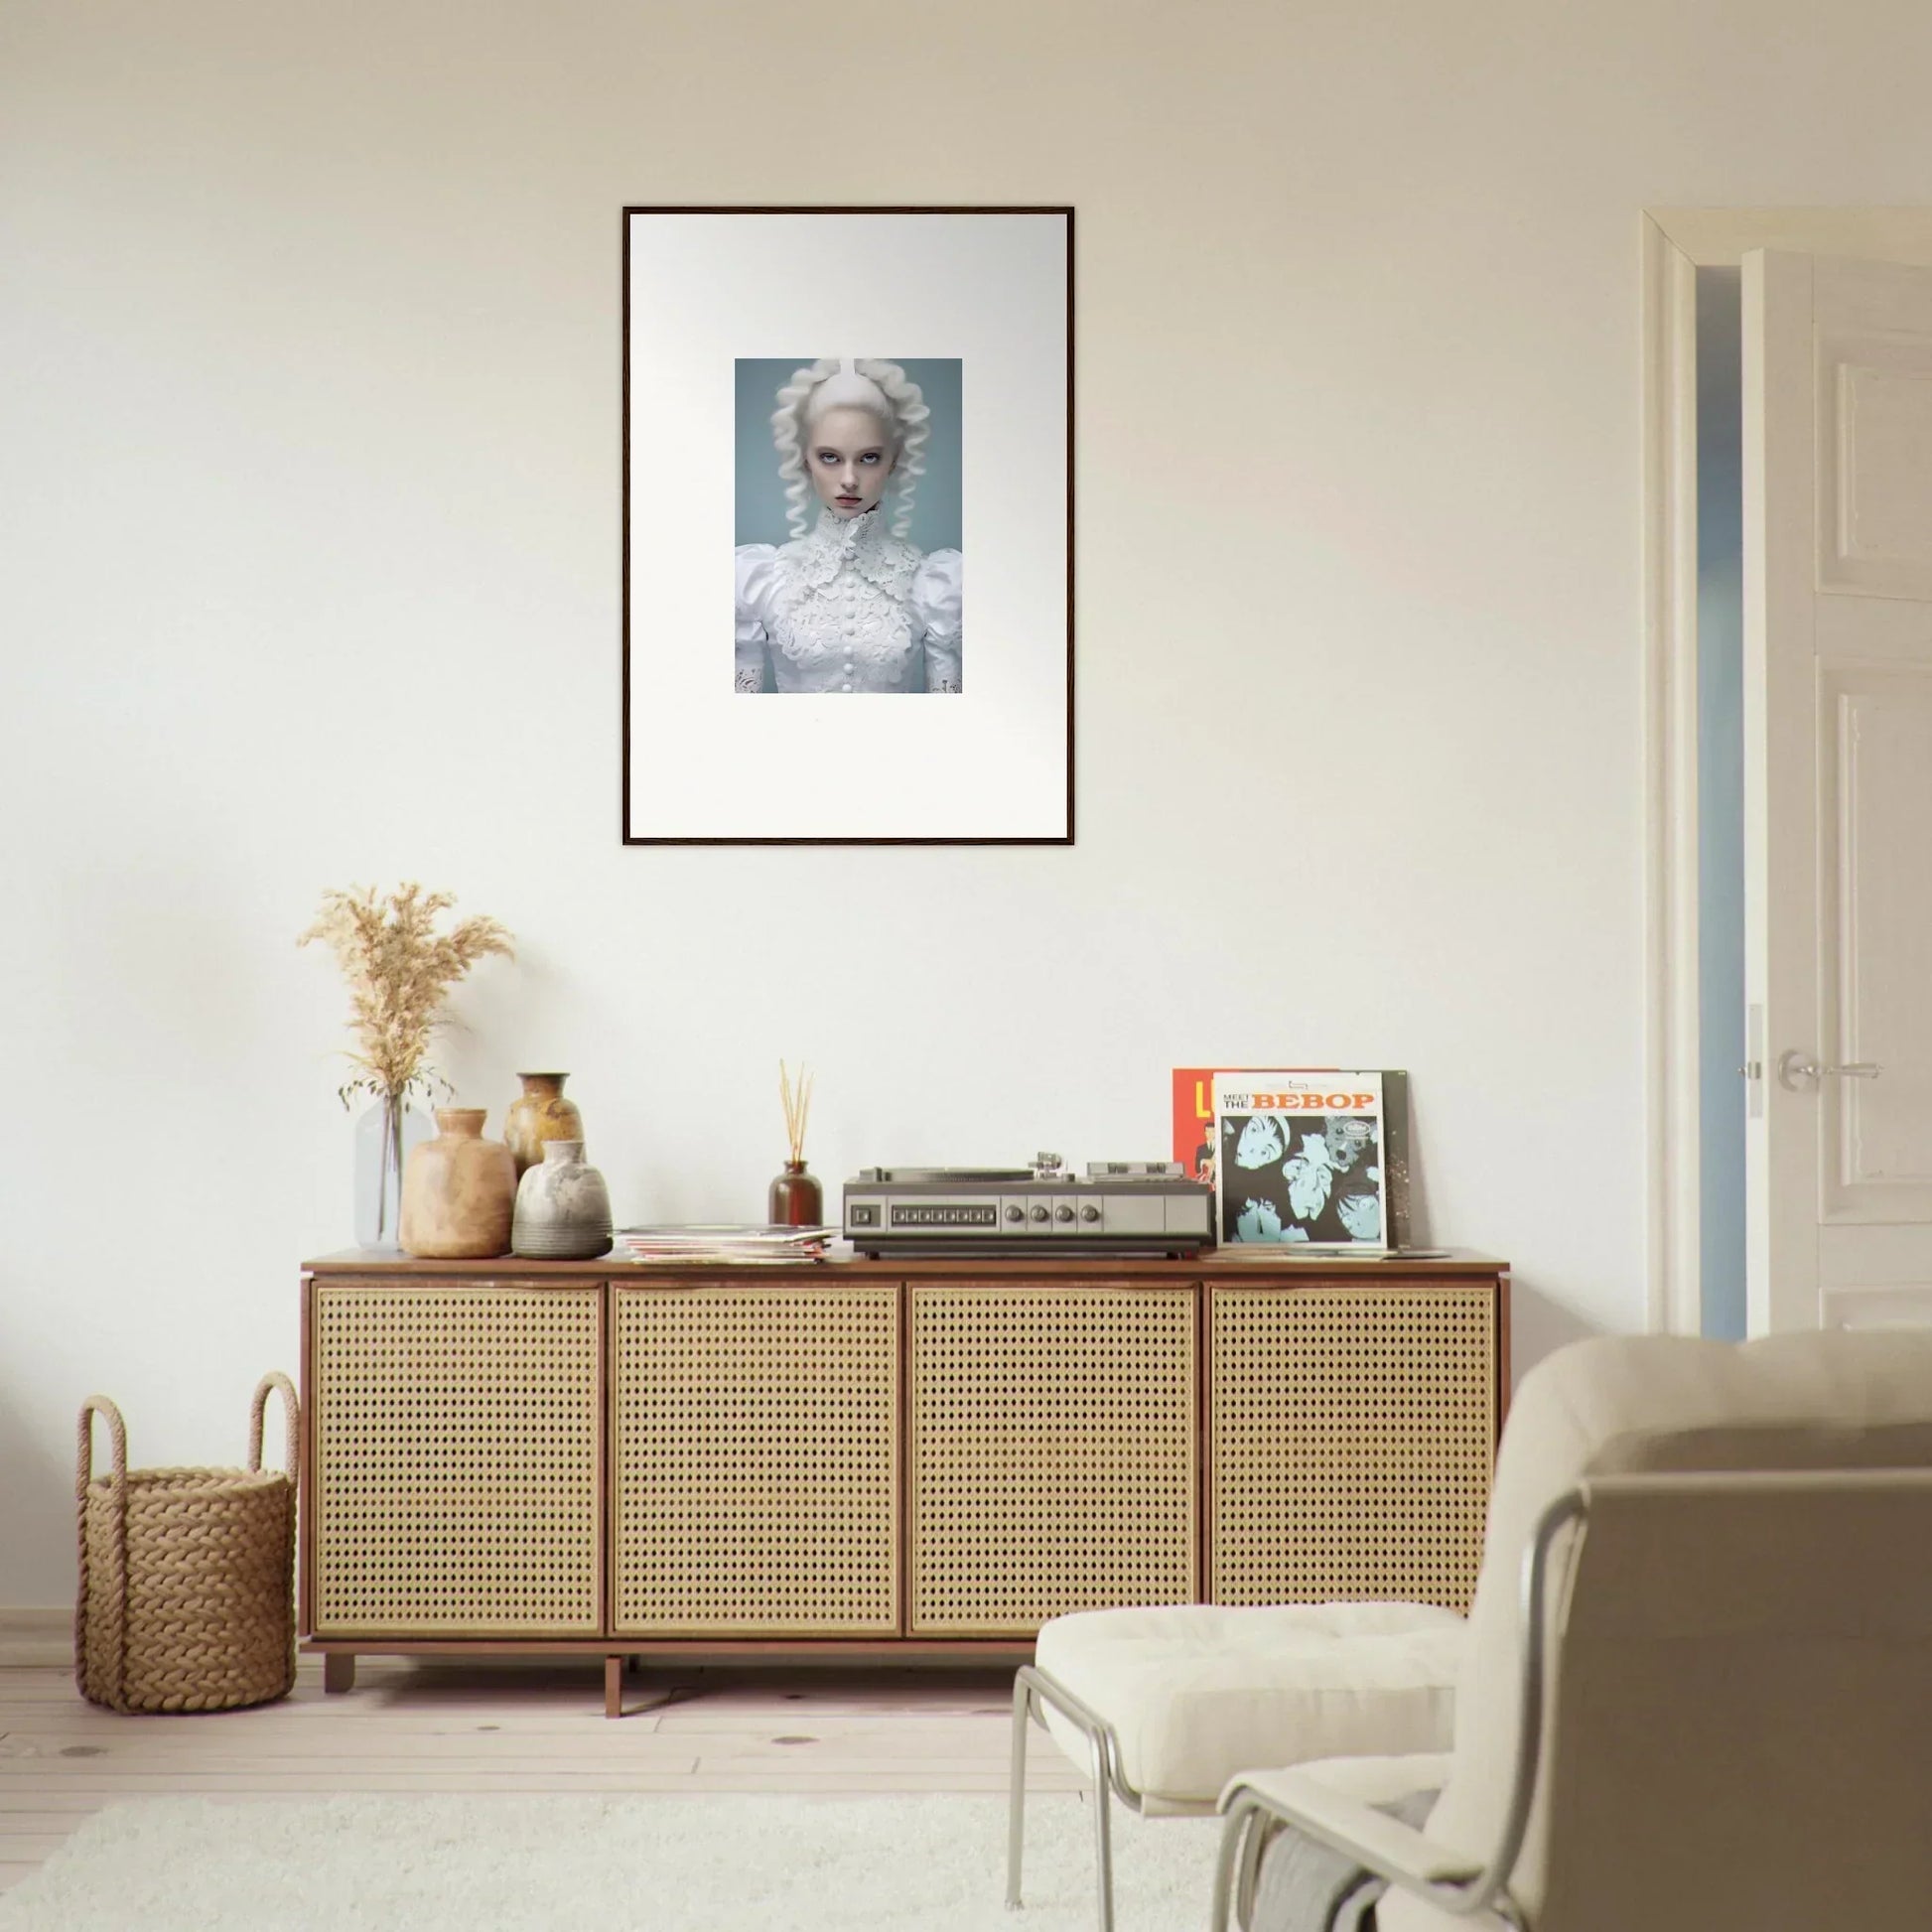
(1838, 790)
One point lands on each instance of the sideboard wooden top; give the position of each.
(1217, 1264)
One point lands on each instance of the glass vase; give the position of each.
(385, 1134)
(795, 1199)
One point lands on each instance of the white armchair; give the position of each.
(1698, 1691)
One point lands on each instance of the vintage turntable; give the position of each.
(1120, 1207)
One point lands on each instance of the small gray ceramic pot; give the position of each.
(563, 1208)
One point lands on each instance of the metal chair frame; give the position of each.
(1480, 1894)
(1032, 1688)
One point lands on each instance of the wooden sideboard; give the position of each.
(903, 1459)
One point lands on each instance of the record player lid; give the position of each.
(932, 1177)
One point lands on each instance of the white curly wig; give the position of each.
(883, 390)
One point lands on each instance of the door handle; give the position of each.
(1798, 1071)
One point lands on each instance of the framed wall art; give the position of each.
(891, 518)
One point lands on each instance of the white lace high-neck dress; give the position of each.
(850, 608)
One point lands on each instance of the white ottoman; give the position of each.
(1166, 1705)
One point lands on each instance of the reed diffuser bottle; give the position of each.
(795, 1199)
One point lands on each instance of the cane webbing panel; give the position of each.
(1053, 1449)
(755, 1448)
(456, 1468)
(1352, 1433)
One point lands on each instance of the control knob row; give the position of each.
(1041, 1213)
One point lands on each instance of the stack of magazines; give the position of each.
(722, 1241)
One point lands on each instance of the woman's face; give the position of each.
(849, 455)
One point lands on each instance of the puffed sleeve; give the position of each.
(936, 603)
(756, 569)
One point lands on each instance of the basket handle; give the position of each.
(100, 1404)
(292, 1413)
(114, 1630)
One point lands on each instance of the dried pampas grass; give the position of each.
(399, 969)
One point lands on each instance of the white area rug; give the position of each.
(669, 1864)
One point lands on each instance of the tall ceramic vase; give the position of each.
(540, 1113)
(458, 1191)
(384, 1134)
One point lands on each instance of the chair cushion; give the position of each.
(1196, 1692)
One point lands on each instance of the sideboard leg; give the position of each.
(339, 1669)
(614, 1687)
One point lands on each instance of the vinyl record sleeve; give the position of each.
(1199, 1146)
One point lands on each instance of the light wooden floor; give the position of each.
(509, 1727)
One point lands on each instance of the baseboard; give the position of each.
(36, 1638)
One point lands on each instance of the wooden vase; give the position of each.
(458, 1191)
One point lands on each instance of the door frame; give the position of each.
(1676, 243)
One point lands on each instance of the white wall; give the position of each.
(308, 506)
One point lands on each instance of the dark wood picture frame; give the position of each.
(1064, 213)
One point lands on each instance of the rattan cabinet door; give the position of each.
(455, 1460)
(755, 1459)
(1351, 1436)
(1052, 1453)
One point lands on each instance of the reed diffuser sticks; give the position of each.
(797, 1103)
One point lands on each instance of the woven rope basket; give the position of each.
(186, 1599)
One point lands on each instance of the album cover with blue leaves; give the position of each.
(1302, 1159)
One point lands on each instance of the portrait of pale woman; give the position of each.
(849, 604)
